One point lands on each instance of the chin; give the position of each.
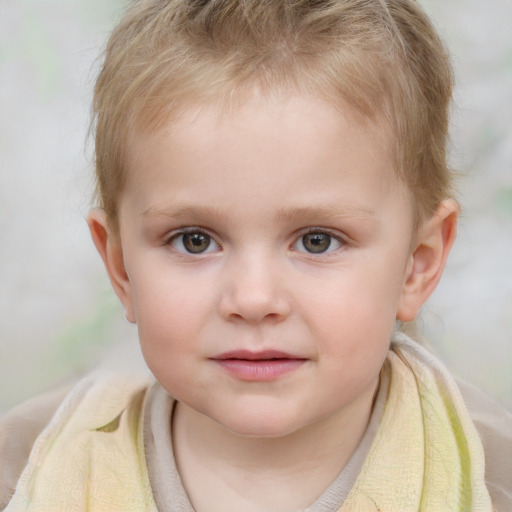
(263, 425)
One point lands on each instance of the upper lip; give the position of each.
(261, 355)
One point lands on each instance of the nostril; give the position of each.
(255, 308)
(270, 318)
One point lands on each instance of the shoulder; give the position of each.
(96, 399)
(492, 422)
(494, 425)
(19, 429)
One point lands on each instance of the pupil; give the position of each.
(316, 242)
(196, 242)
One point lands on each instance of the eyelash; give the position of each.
(176, 236)
(191, 231)
(314, 230)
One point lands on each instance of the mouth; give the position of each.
(266, 365)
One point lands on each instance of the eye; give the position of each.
(193, 242)
(317, 242)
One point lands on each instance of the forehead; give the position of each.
(291, 122)
(266, 157)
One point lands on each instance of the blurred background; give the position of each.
(58, 316)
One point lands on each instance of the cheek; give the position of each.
(170, 311)
(169, 327)
(356, 303)
(353, 319)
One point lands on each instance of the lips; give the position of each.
(259, 366)
(255, 356)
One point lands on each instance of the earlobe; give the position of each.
(111, 252)
(427, 261)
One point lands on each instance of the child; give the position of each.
(275, 202)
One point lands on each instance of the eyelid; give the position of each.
(327, 231)
(332, 233)
(176, 233)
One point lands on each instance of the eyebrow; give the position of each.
(186, 212)
(291, 214)
(324, 212)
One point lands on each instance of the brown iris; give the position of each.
(196, 243)
(316, 242)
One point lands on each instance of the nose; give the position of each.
(254, 291)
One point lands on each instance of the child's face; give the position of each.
(264, 256)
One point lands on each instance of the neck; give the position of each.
(229, 472)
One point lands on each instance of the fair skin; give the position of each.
(265, 255)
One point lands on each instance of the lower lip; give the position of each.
(260, 370)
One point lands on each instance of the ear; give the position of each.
(427, 261)
(111, 252)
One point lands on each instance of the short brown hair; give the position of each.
(383, 57)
